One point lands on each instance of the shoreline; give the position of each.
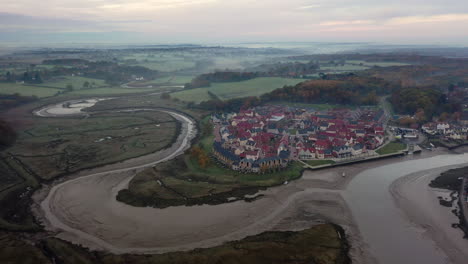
(68, 209)
(313, 199)
(424, 211)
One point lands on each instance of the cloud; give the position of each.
(346, 22)
(428, 19)
(242, 19)
(308, 7)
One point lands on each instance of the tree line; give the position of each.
(342, 89)
(205, 80)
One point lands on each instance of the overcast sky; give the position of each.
(204, 21)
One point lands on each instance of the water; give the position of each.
(391, 238)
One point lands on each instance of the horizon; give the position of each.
(413, 22)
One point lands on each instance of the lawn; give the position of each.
(391, 147)
(225, 91)
(27, 90)
(314, 163)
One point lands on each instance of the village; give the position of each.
(267, 138)
(447, 130)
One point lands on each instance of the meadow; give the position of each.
(225, 91)
(77, 82)
(27, 90)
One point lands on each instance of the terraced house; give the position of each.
(267, 138)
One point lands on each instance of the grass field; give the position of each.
(379, 64)
(319, 162)
(169, 65)
(76, 81)
(391, 147)
(254, 87)
(345, 68)
(113, 90)
(175, 80)
(26, 90)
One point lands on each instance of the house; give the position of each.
(322, 144)
(252, 155)
(320, 154)
(342, 152)
(357, 149)
(307, 154)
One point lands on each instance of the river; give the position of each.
(84, 209)
(391, 237)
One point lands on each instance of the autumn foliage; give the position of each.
(200, 156)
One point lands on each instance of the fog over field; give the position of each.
(215, 131)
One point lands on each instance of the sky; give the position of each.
(235, 21)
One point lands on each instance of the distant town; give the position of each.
(267, 138)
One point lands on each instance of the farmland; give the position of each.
(76, 82)
(113, 91)
(27, 90)
(224, 91)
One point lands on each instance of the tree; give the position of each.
(38, 78)
(200, 156)
(165, 96)
(69, 88)
(26, 77)
(86, 85)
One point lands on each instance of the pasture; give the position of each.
(27, 90)
(225, 91)
(76, 81)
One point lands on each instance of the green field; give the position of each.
(345, 68)
(314, 163)
(113, 90)
(225, 91)
(391, 147)
(26, 90)
(379, 64)
(177, 79)
(76, 81)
